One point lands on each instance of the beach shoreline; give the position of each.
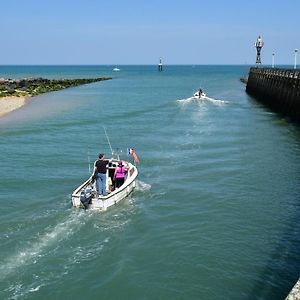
(11, 103)
(15, 93)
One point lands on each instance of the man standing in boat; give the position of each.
(200, 93)
(100, 170)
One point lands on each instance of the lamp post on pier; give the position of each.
(295, 61)
(273, 59)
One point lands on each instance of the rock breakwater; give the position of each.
(35, 86)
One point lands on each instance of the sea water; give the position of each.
(215, 214)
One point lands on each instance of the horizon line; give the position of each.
(113, 65)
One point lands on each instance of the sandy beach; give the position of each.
(8, 104)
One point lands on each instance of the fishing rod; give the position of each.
(112, 153)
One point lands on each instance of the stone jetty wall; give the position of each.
(277, 88)
(36, 86)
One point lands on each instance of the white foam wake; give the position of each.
(142, 186)
(212, 100)
(205, 98)
(186, 100)
(32, 253)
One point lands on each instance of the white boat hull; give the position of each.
(103, 202)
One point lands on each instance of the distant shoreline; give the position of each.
(15, 93)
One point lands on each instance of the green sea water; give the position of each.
(215, 214)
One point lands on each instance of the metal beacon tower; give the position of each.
(160, 66)
(258, 45)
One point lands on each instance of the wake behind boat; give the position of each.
(200, 95)
(86, 195)
(202, 98)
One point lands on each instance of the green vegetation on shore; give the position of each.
(36, 86)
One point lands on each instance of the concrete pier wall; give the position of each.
(277, 88)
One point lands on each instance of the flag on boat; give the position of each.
(131, 151)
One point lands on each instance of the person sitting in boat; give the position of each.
(100, 173)
(120, 173)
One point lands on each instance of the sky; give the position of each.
(118, 32)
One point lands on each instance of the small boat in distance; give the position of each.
(199, 95)
(116, 69)
(86, 195)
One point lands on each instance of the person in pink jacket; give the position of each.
(120, 173)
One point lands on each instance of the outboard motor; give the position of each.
(86, 196)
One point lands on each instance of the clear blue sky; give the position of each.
(140, 32)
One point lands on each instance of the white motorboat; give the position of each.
(86, 195)
(202, 95)
(116, 69)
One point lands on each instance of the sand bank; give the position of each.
(8, 104)
(34, 86)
